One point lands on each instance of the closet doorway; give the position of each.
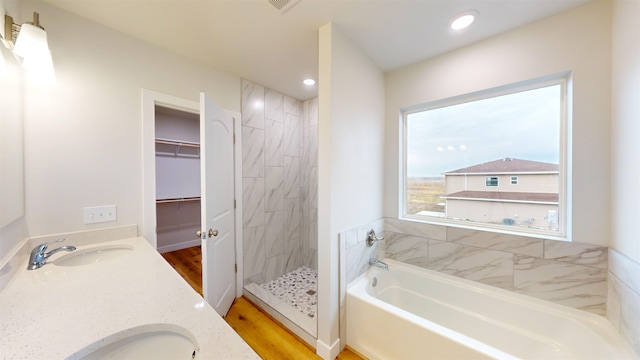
(178, 191)
(190, 187)
(177, 179)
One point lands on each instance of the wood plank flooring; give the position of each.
(188, 263)
(266, 336)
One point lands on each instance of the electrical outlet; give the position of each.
(97, 214)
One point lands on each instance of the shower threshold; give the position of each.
(292, 295)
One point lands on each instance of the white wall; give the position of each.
(579, 41)
(623, 301)
(351, 168)
(16, 230)
(625, 129)
(83, 138)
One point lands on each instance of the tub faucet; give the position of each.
(39, 257)
(372, 238)
(378, 263)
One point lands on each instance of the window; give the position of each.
(458, 151)
(491, 181)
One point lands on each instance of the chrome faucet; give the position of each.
(372, 238)
(39, 257)
(378, 263)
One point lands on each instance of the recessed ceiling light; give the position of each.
(309, 82)
(463, 20)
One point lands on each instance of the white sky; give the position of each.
(523, 125)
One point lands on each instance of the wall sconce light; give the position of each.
(29, 42)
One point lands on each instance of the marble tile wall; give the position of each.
(570, 274)
(354, 261)
(276, 182)
(588, 277)
(623, 301)
(309, 183)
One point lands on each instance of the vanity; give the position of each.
(114, 294)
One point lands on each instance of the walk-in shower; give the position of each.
(279, 206)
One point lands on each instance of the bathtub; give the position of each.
(413, 313)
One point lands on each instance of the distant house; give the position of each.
(506, 191)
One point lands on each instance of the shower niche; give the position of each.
(280, 159)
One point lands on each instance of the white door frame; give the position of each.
(150, 99)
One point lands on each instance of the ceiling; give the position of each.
(255, 41)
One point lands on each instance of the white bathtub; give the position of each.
(414, 313)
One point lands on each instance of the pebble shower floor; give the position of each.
(298, 288)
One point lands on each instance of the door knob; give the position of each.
(199, 233)
(213, 233)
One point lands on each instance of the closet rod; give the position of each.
(176, 143)
(180, 200)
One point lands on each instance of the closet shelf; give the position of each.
(177, 200)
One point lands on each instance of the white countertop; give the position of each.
(54, 311)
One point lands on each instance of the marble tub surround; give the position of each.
(577, 275)
(581, 287)
(353, 243)
(576, 253)
(279, 180)
(489, 267)
(435, 232)
(354, 261)
(67, 308)
(623, 301)
(570, 274)
(496, 241)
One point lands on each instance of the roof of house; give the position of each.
(504, 195)
(507, 165)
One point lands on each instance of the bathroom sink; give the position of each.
(93, 255)
(154, 341)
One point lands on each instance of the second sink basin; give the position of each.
(93, 255)
(153, 341)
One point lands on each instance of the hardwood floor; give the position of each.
(188, 263)
(266, 336)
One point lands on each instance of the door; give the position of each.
(217, 202)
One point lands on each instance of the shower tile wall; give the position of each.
(309, 173)
(277, 182)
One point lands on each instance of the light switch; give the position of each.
(97, 214)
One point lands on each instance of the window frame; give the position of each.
(513, 180)
(564, 232)
(488, 181)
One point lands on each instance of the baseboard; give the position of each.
(179, 246)
(328, 352)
